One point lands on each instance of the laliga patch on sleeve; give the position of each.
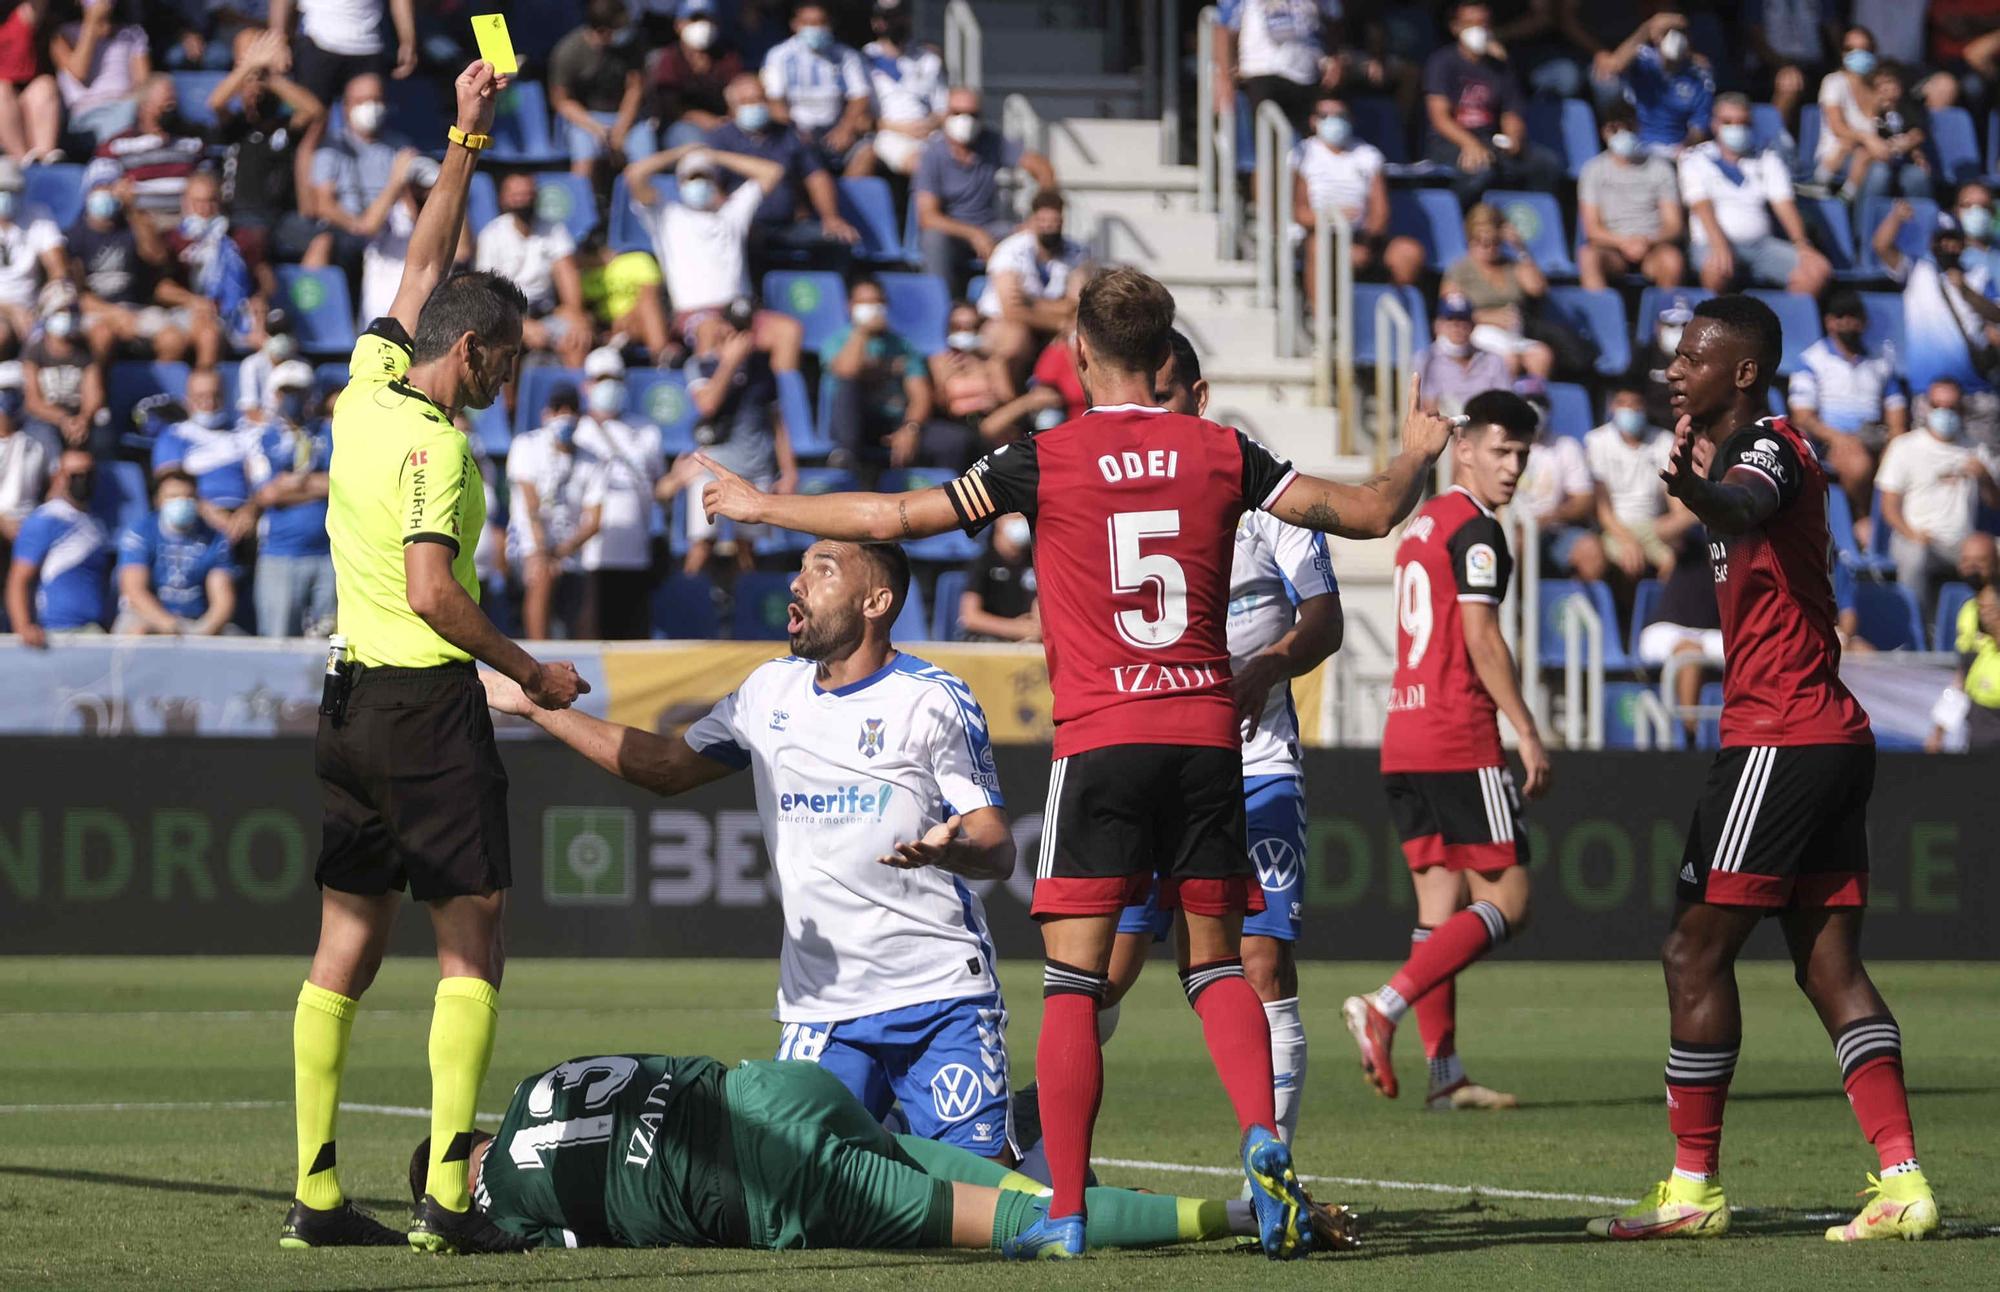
(1482, 567)
(1764, 456)
(495, 45)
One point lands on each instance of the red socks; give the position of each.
(1436, 1009)
(1451, 946)
(1698, 1077)
(1870, 1051)
(1069, 1069)
(1238, 1036)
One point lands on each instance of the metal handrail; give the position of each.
(1020, 122)
(1215, 143)
(1168, 49)
(1204, 108)
(1333, 297)
(964, 45)
(1395, 355)
(1653, 726)
(1276, 284)
(1583, 676)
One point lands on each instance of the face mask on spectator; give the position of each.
(281, 346)
(1945, 423)
(607, 398)
(1017, 530)
(292, 405)
(752, 117)
(214, 419)
(1048, 419)
(102, 204)
(196, 227)
(1629, 421)
(816, 38)
(1670, 339)
(10, 202)
(1977, 221)
(870, 314)
(699, 193)
(61, 325)
(1858, 61)
(1674, 46)
(699, 34)
(1475, 40)
(179, 514)
(1335, 130)
(1453, 349)
(1625, 143)
(565, 429)
(961, 128)
(365, 117)
(963, 342)
(1736, 137)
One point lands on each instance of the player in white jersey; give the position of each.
(879, 798)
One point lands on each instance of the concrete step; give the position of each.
(1076, 52)
(1090, 205)
(1061, 97)
(1159, 239)
(1097, 150)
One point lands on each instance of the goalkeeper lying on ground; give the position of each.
(644, 1150)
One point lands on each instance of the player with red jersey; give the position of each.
(1782, 827)
(1451, 793)
(1135, 512)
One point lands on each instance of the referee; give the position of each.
(414, 792)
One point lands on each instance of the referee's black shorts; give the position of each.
(413, 789)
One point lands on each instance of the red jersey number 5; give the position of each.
(1133, 570)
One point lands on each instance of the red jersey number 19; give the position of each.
(1413, 609)
(1132, 570)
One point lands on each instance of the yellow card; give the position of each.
(495, 45)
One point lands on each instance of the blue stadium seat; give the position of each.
(536, 385)
(1365, 297)
(919, 309)
(1955, 143)
(1540, 222)
(1878, 540)
(975, 287)
(1246, 136)
(1809, 131)
(913, 620)
(659, 396)
(1432, 217)
(684, 607)
(1951, 598)
(1767, 124)
(815, 297)
(762, 601)
(560, 195)
(1654, 299)
(121, 495)
(192, 89)
(329, 377)
(1840, 520)
(1708, 734)
(1599, 317)
(521, 134)
(1567, 127)
(1645, 608)
(1993, 142)
(1556, 593)
(417, 111)
(954, 546)
(796, 407)
(490, 430)
(1885, 325)
(1621, 726)
(628, 229)
(866, 204)
(229, 371)
(1570, 410)
(1913, 239)
(54, 190)
(131, 380)
(1799, 317)
(812, 480)
(950, 588)
(322, 314)
(1889, 618)
(1827, 224)
(1377, 121)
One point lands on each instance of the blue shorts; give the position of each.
(1275, 808)
(944, 1061)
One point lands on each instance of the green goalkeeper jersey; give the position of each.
(627, 1150)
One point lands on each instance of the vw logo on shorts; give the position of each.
(955, 1092)
(1277, 863)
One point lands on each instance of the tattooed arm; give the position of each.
(1375, 506)
(852, 517)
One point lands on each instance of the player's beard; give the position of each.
(823, 637)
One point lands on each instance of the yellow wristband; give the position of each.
(463, 140)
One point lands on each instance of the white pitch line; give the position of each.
(221, 1105)
(1417, 1186)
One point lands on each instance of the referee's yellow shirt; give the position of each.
(401, 474)
(1981, 655)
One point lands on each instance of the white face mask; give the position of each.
(1335, 130)
(1670, 339)
(699, 34)
(1625, 143)
(1016, 530)
(365, 117)
(699, 193)
(963, 342)
(961, 128)
(607, 398)
(1674, 46)
(1736, 137)
(1453, 349)
(1475, 40)
(869, 313)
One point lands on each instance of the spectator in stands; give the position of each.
(1965, 47)
(101, 64)
(1028, 298)
(963, 378)
(158, 152)
(1686, 621)
(1951, 321)
(30, 254)
(1788, 44)
(1626, 456)
(690, 75)
(1477, 113)
(908, 82)
(255, 397)
(1892, 157)
(1453, 367)
(1055, 391)
(58, 579)
(1500, 278)
(119, 259)
(25, 461)
(200, 33)
(595, 86)
(222, 269)
(999, 602)
(801, 207)
(1333, 169)
(1846, 110)
(819, 87)
(1628, 202)
(617, 559)
(340, 41)
(1276, 53)
(1967, 716)
(261, 114)
(1556, 489)
(1975, 220)
(63, 381)
(957, 187)
(622, 294)
(213, 448)
(734, 390)
(557, 506)
(1733, 193)
(30, 104)
(287, 467)
(539, 257)
(1931, 483)
(1848, 402)
(881, 395)
(175, 574)
(348, 175)
(1672, 88)
(1654, 353)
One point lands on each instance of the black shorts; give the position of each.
(412, 786)
(326, 74)
(1120, 815)
(1782, 828)
(1459, 820)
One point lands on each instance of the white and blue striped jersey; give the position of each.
(1276, 567)
(843, 776)
(814, 87)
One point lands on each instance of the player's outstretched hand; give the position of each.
(728, 495)
(927, 851)
(555, 686)
(504, 694)
(1426, 432)
(1681, 468)
(477, 91)
(1535, 763)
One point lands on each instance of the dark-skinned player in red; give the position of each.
(1781, 829)
(1135, 511)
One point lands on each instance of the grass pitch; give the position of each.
(146, 1133)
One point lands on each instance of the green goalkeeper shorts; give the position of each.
(818, 1171)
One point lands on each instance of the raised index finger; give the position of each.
(715, 468)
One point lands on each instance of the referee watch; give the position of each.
(475, 143)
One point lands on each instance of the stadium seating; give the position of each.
(952, 546)
(1955, 144)
(1885, 325)
(1799, 317)
(795, 406)
(122, 494)
(627, 231)
(1832, 231)
(1708, 734)
(521, 134)
(54, 190)
(536, 385)
(1366, 295)
(558, 196)
(1645, 608)
(1540, 223)
(762, 598)
(1809, 130)
(490, 431)
(1889, 616)
(913, 620)
(191, 90)
(1840, 519)
(1767, 125)
(1621, 725)
(975, 287)
(1377, 122)
(816, 298)
(1567, 127)
(1654, 299)
(1557, 593)
(684, 607)
(130, 381)
(945, 597)
(1599, 317)
(866, 204)
(1570, 410)
(919, 309)
(659, 396)
(1951, 598)
(1432, 217)
(1913, 239)
(322, 314)
(812, 480)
